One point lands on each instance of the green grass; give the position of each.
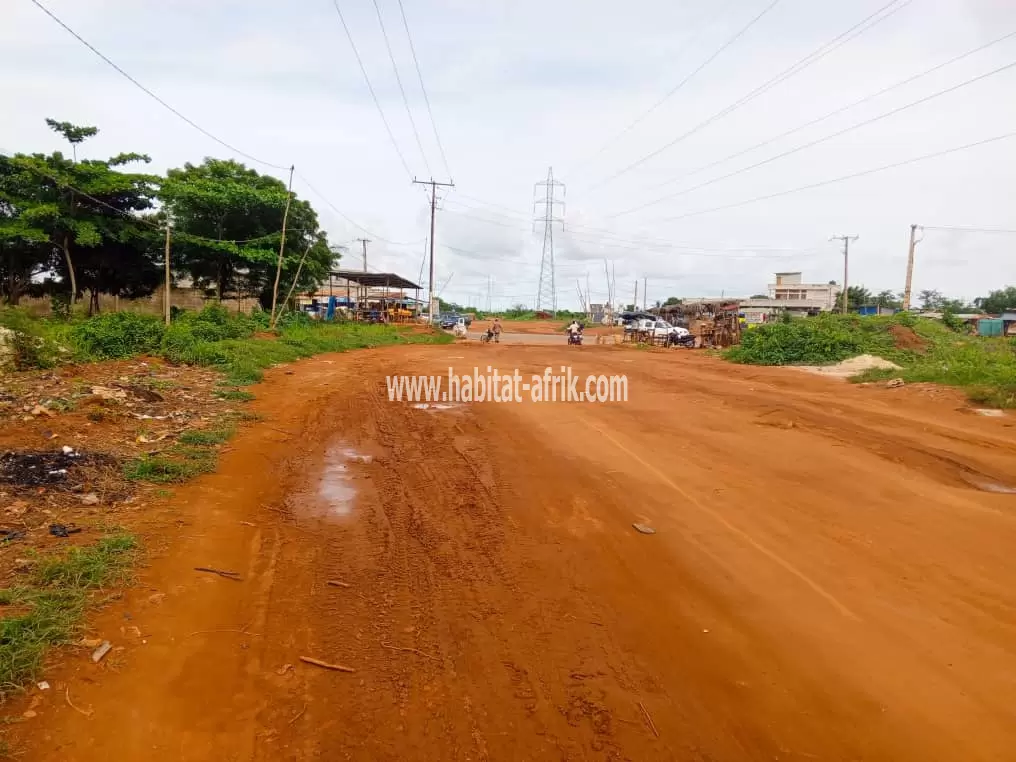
(235, 395)
(207, 437)
(984, 367)
(163, 469)
(54, 598)
(194, 454)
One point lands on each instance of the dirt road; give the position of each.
(831, 577)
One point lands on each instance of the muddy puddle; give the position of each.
(338, 486)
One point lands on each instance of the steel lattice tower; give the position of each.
(546, 295)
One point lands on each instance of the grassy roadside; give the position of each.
(51, 602)
(927, 351)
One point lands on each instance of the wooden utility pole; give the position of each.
(282, 248)
(364, 241)
(846, 263)
(165, 296)
(914, 240)
(433, 210)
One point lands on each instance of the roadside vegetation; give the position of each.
(49, 605)
(237, 344)
(927, 350)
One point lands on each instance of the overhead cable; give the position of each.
(871, 21)
(818, 141)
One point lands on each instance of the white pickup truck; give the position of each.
(660, 328)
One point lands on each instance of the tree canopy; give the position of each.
(71, 227)
(998, 301)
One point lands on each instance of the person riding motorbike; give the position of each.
(496, 329)
(575, 332)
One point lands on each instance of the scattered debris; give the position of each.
(895, 383)
(40, 410)
(7, 535)
(45, 469)
(42, 686)
(100, 653)
(63, 530)
(90, 642)
(644, 528)
(989, 412)
(284, 669)
(145, 395)
(336, 583)
(325, 665)
(235, 576)
(89, 498)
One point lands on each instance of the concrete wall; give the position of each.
(184, 298)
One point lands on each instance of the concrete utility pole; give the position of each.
(846, 263)
(645, 294)
(914, 240)
(635, 302)
(364, 241)
(433, 210)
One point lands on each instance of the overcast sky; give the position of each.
(518, 86)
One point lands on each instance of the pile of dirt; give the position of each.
(906, 339)
(850, 367)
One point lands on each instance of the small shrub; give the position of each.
(158, 469)
(117, 335)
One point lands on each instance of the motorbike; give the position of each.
(575, 338)
(685, 340)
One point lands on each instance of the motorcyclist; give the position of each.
(496, 328)
(574, 332)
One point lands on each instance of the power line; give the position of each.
(966, 230)
(842, 109)
(151, 94)
(370, 87)
(818, 141)
(601, 235)
(398, 79)
(843, 178)
(812, 58)
(674, 90)
(426, 98)
(180, 115)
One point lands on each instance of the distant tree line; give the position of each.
(71, 229)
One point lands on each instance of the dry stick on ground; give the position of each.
(235, 576)
(298, 714)
(652, 725)
(409, 650)
(67, 695)
(336, 583)
(242, 632)
(326, 665)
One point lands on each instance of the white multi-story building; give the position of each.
(791, 293)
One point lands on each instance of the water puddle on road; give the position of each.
(436, 406)
(336, 491)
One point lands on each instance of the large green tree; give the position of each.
(25, 249)
(81, 219)
(998, 301)
(227, 221)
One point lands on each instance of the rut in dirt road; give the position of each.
(824, 581)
